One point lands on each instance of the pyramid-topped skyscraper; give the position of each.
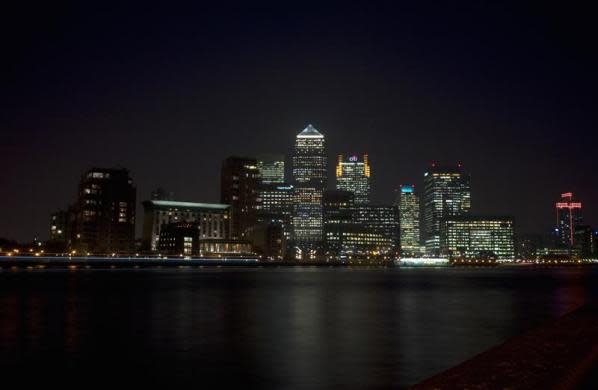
(309, 175)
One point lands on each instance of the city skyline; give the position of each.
(407, 85)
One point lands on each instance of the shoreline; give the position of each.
(42, 262)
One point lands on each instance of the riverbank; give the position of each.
(7, 262)
(561, 354)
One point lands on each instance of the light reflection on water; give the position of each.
(284, 327)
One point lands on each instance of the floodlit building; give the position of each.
(271, 167)
(407, 203)
(310, 179)
(447, 194)
(469, 237)
(353, 174)
(240, 181)
(104, 214)
(213, 219)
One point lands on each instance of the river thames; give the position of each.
(286, 327)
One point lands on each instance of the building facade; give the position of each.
(213, 219)
(276, 205)
(353, 174)
(407, 203)
(104, 214)
(476, 238)
(447, 194)
(240, 181)
(271, 167)
(338, 216)
(310, 180)
(379, 219)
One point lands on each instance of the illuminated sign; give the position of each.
(353, 158)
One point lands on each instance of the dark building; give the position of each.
(447, 194)
(583, 242)
(161, 194)
(240, 181)
(104, 213)
(529, 246)
(179, 239)
(268, 240)
(59, 226)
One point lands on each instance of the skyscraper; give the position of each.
(353, 174)
(408, 205)
(309, 174)
(104, 214)
(271, 167)
(568, 216)
(447, 193)
(239, 186)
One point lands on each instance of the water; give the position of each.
(275, 328)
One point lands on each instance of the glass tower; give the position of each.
(447, 193)
(408, 205)
(309, 174)
(353, 174)
(271, 167)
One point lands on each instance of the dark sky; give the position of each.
(169, 91)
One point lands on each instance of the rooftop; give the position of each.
(187, 205)
(310, 132)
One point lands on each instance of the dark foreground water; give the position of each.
(276, 328)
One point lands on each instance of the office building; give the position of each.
(104, 214)
(338, 216)
(59, 226)
(447, 194)
(378, 219)
(276, 205)
(240, 181)
(271, 167)
(407, 203)
(310, 179)
(477, 238)
(353, 174)
(213, 219)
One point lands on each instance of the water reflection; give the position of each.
(351, 328)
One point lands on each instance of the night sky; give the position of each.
(170, 91)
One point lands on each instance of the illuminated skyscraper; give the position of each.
(271, 167)
(353, 174)
(240, 180)
(309, 174)
(568, 216)
(447, 194)
(408, 205)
